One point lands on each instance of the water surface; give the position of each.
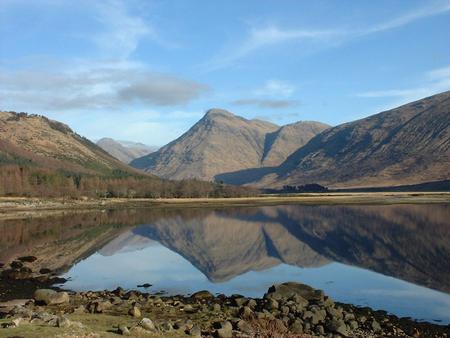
(395, 257)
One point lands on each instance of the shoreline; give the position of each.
(24, 206)
(286, 310)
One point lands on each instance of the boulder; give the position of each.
(292, 289)
(202, 295)
(135, 312)
(147, 324)
(51, 297)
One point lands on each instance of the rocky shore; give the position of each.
(286, 310)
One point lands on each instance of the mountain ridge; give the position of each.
(220, 142)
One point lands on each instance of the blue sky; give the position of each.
(146, 70)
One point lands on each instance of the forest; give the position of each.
(29, 181)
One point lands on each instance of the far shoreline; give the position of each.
(11, 207)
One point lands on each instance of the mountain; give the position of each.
(37, 140)
(283, 142)
(125, 151)
(223, 142)
(45, 158)
(406, 145)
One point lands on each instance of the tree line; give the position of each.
(29, 181)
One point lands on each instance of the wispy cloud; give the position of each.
(266, 103)
(121, 31)
(259, 38)
(434, 82)
(276, 88)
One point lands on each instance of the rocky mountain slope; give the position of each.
(125, 151)
(406, 145)
(38, 140)
(283, 142)
(222, 142)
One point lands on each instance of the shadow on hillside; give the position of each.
(245, 176)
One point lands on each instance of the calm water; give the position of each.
(395, 258)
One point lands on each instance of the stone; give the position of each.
(21, 311)
(80, 309)
(225, 330)
(353, 324)
(290, 289)
(147, 324)
(51, 297)
(189, 309)
(135, 312)
(216, 307)
(27, 259)
(224, 333)
(376, 327)
(285, 310)
(239, 301)
(123, 330)
(16, 264)
(244, 327)
(195, 331)
(202, 295)
(338, 326)
(245, 312)
(63, 322)
(272, 304)
(320, 330)
(296, 327)
(166, 326)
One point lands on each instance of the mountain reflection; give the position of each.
(410, 242)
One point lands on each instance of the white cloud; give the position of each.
(121, 31)
(276, 88)
(94, 86)
(434, 82)
(269, 36)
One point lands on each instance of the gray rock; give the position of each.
(291, 289)
(21, 311)
(239, 301)
(202, 295)
(244, 327)
(251, 303)
(135, 312)
(51, 297)
(189, 309)
(272, 304)
(285, 310)
(296, 327)
(245, 312)
(123, 330)
(353, 324)
(147, 324)
(195, 331)
(338, 326)
(166, 326)
(376, 327)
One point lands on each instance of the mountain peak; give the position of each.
(214, 112)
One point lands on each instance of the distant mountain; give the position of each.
(406, 145)
(125, 151)
(223, 142)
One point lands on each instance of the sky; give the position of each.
(147, 70)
